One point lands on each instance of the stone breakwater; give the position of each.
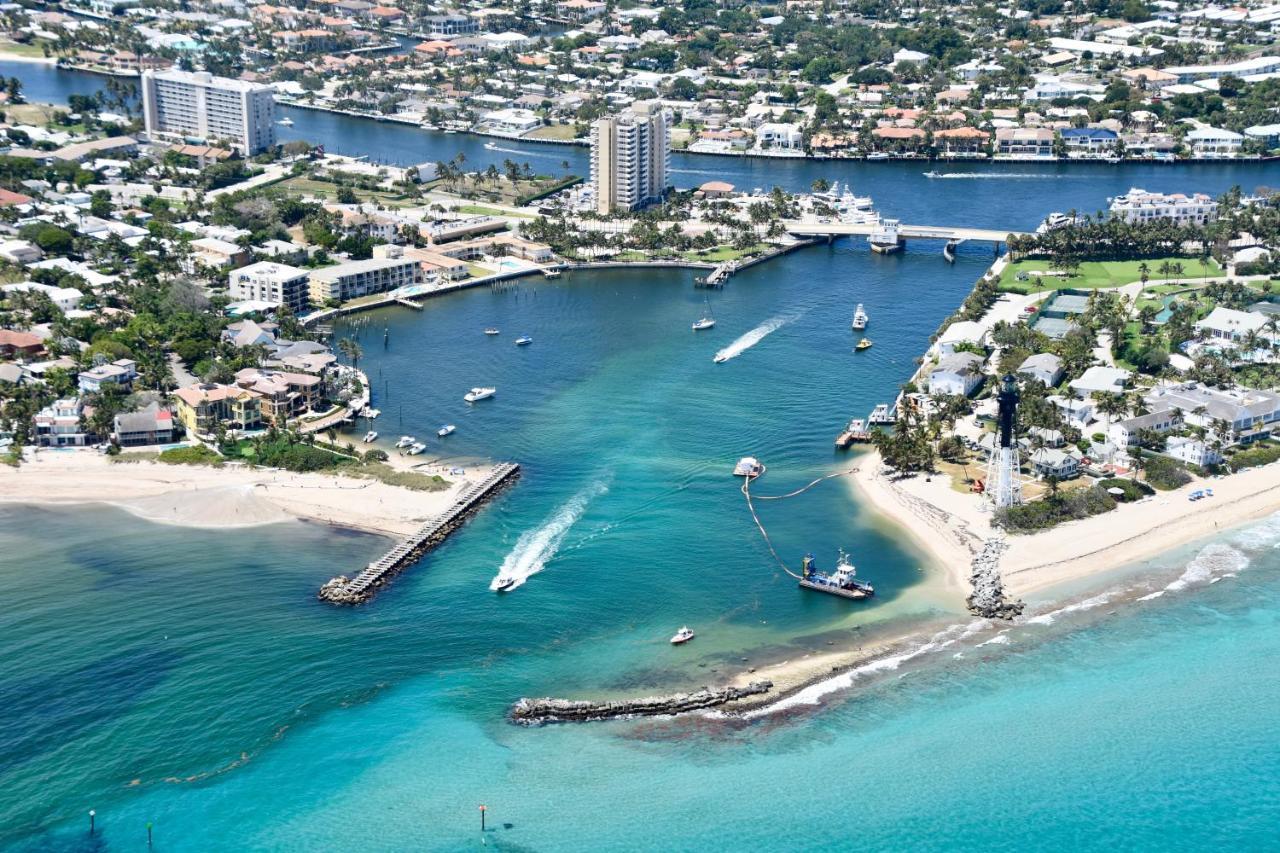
(531, 712)
(361, 588)
(988, 598)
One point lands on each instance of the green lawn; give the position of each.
(1099, 274)
(33, 50)
(327, 190)
(553, 131)
(481, 210)
(724, 253)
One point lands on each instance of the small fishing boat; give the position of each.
(492, 331)
(447, 429)
(523, 341)
(863, 344)
(842, 582)
(370, 437)
(405, 441)
(416, 448)
(749, 467)
(476, 394)
(505, 584)
(682, 636)
(860, 318)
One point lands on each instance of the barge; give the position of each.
(842, 582)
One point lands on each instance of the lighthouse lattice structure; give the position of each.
(1004, 484)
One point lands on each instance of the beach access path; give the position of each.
(229, 496)
(948, 525)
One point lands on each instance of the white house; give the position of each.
(1193, 451)
(960, 332)
(914, 57)
(1214, 142)
(957, 373)
(1125, 433)
(66, 298)
(1247, 411)
(1078, 412)
(1044, 366)
(779, 135)
(119, 373)
(1228, 324)
(1049, 462)
(1100, 379)
(20, 251)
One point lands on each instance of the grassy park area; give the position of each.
(1039, 275)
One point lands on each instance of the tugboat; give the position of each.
(749, 467)
(859, 319)
(479, 394)
(842, 582)
(682, 636)
(855, 431)
(862, 344)
(447, 429)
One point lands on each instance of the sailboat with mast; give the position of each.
(708, 319)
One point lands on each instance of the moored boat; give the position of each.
(749, 467)
(370, 437)
(684, 635)
(860, 319)
(447, 429)
(479, 394)
(551, 272)
(405, 441)
(416, 448)
(842, 582)
(880, 415)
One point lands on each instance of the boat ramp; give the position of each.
(362, 588)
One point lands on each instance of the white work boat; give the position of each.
(684, 635)
(476, 394)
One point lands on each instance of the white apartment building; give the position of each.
(271, 282)
(197, 105)
(1141, 206)
(630, 157)
(361, 278)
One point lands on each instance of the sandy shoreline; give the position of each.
(227, 497)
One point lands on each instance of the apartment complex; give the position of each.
(197, 105)
(271, 282)
(630, 157)
(353, 279)
(1141, 206)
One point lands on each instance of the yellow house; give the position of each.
(200, 407)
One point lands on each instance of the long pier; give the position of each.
(361, 588)
(918, 232)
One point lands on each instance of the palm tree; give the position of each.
(1144, 272)
(350, 347)
(1176, 269)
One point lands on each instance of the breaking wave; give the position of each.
(535, 547)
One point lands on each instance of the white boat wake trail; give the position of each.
(756, 335)
(535, 547)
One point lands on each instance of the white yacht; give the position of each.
(684, 635)
(859, 319)
(405, 441)
(447, 429)
(479, 394)
(885, 239)
(370, 437)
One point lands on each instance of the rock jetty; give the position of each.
(988, 598)
(532, 712)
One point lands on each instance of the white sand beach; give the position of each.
(948, 523)
(230, 496)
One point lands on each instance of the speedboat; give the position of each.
(505, 584)
(684, 635)
(479, 394)
(447, 429)
(492, 146)
(860, 318)
(285, 122)
(523, 341)
(492, 331)
(405, 441)
(704, 323)
(370, 437)
(863, 344)
(933, 174)
(749, 467)
(416, 448)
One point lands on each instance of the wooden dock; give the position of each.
(408, 303)
(361, 588)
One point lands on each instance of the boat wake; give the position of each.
(994, 176)
(535, 547)
(756, 335)
(521, 153)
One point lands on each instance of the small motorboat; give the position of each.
(492, 331)
(523, 341)
(476, 394)
(749, 467)
(416, 448)
(447, 429)
(720, 358)
(405, 441)
(491, 146)
(505, 584)
(682, 636)
(863, 344)
(370, 437)
(285, 122)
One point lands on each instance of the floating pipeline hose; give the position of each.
(746, 491)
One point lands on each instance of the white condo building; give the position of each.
(1142, 206)
(268, 281)
(630, 157)
(197, 105)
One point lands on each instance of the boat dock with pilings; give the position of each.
(361, 588)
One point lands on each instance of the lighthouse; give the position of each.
(1004, 484)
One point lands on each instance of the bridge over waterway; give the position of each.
(948, 233)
